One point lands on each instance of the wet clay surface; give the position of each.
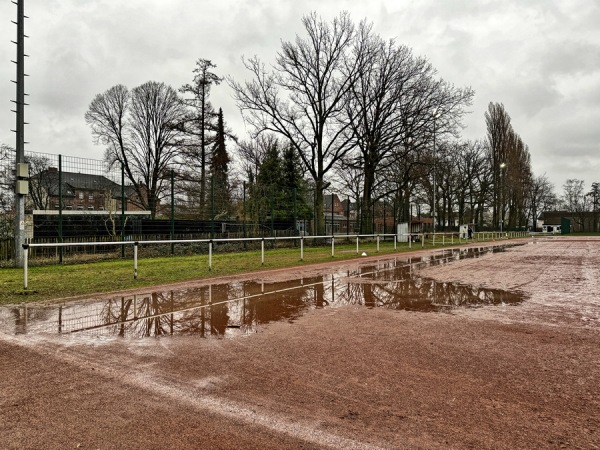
(341, 375)
(234, 308)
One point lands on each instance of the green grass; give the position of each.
(59, 281)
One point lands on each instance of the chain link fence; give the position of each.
(73, 199)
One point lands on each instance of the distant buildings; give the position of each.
(78, 192)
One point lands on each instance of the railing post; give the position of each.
(262, 252)
(377, 243)
(302, 248)
(332, 246)
(210, 255)
(25, 262)
(395, 242)
(357, 244)
(135, 260)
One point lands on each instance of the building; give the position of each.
(585, 221)
(337, 218)
(79, 192)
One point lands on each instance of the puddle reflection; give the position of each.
(239, 308)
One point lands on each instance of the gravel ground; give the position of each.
(521, 376)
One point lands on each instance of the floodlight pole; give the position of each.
(434, 183)
(20, 132)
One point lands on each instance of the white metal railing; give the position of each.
(436, 239)
(210, 242)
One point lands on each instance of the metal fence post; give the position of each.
(262, 252)
(60, 208)
(302, 248)
(332, 245)
(25, 262)
(210, 255)
(135, 260)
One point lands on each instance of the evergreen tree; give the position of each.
(220, 172)
(268, 193)
(296, 187)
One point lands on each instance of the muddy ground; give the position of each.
(519, 376)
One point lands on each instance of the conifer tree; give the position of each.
(221, 189)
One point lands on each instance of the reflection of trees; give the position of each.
(398, 288)
(279, 305)
(429, 295)
(208, 310)
(212, 310)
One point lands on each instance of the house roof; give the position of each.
(554, 217)
(72, 181)
(327, 200)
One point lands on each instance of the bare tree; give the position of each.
(304, 96)
(542, 198)
(511, 168)
(141, 130)
(396, 106)
(594, 196)
(7, 178)
(499, 131)
(42, 181)
(575, 201)
(373, 112)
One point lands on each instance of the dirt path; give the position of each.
(524, 376)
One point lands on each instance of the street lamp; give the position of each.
(502, 167)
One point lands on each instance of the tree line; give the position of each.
(339, 110)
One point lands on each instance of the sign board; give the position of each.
(403, 235)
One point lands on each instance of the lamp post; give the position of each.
(502, 167)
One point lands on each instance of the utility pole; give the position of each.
(20, 172)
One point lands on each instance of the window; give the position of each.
(90, 208)
(80, 195)
(91, 196)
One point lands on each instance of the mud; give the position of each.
(330, 356)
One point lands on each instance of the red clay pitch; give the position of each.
(499, 376)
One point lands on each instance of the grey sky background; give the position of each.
(540, 58)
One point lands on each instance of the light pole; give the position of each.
(502, 167)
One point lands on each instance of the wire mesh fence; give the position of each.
(73, 199)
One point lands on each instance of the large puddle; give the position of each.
(231, 309)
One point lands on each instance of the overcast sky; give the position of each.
(540, 58)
